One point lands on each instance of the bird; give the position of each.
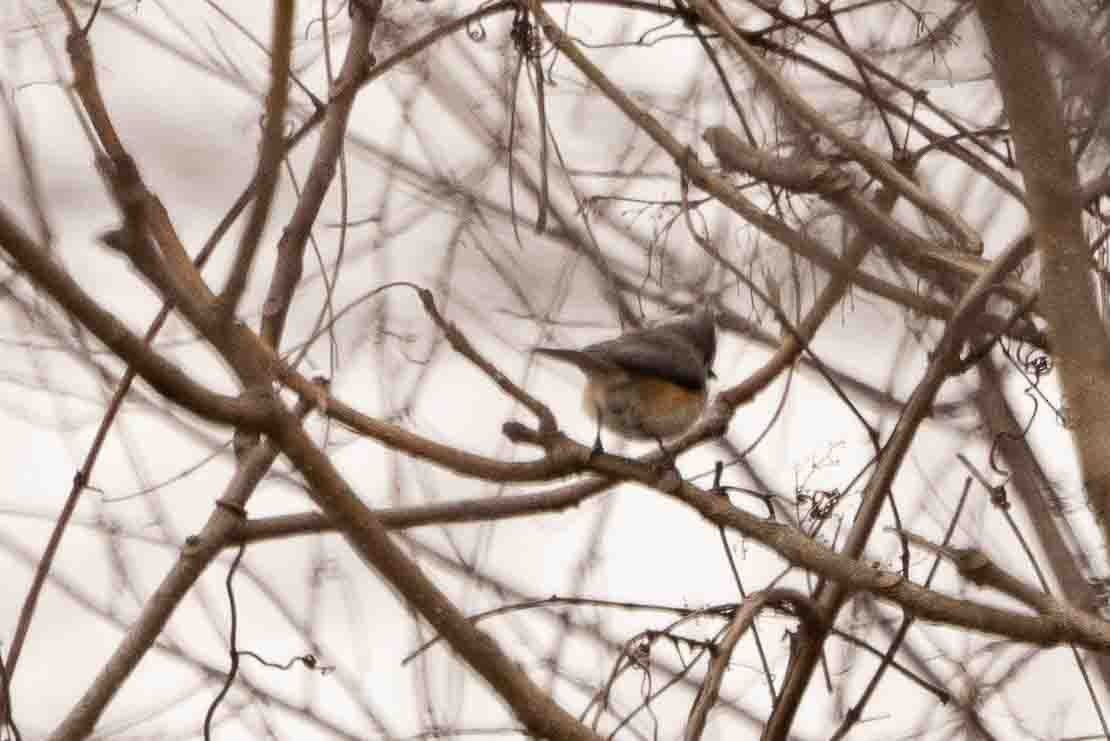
(647, 384)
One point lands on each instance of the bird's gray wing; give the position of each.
(654, 352)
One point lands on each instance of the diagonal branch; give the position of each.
(832, 594)
(269, 158)
(290, 249)
(797, 106)
(166, 378)
(365, 533)
(199, 552)
(743, 619)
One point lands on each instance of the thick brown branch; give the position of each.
(1076, 327)
(1061, 623)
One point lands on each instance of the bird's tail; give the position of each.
(587, 362)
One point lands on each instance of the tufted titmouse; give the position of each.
(648, 384)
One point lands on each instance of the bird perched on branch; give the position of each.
(647, 384)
